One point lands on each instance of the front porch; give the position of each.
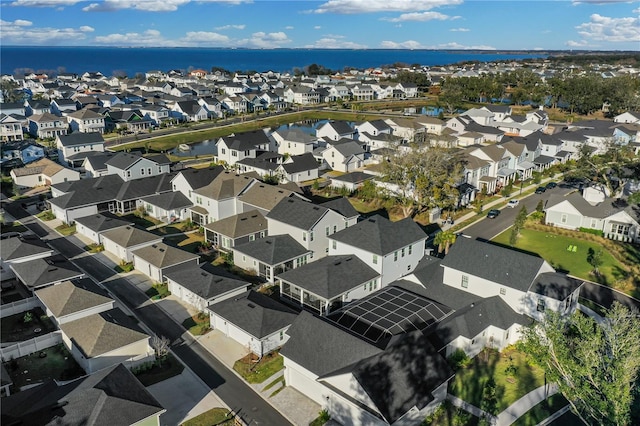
(198, 215)
(306, 300)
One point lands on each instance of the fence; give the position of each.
(19, 306)
(31, 346)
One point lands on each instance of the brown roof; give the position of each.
(69, 297)
(239, 225)
(227, 185)
(264, 196)
(43, 166)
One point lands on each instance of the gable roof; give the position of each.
(73, 139)
(301, 163)
(123, 160)
(246, 141)
(22, 246)
(69, 297)
(102, 222)
(169, 200)
(226, 185)
(161, 255)
(130, 236)
(197, 178)
(264, 196)
(201, 281)
(297, 213)
(340, 127)
(500, 265)
(295, 134)
(239, 225)
(99, 162)
(602, 210)
(555, 285)
(380, 236)
(272, 250)
(330, 276)
(104, 332)
(255, 313)
(109, 396)
(52, 269)
(342, 206)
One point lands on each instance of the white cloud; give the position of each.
(145, 5)
(231, 27)
(603, 28)
(637, 11)
(288, 27)
(335, 43)
(317, 27)
(421, 17)
(21, 31)
(577, 2)
(572, 43)
(373, 6)
(409, 44)
(146, 38)
(264, 40)
(460, 30)
(203, 37)
(458, 46)
(44, 3)
(86, 29)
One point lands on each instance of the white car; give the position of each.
(513, 203)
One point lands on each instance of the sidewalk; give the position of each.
(524, 404)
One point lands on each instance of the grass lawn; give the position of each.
(12, 227)
(197, 324)
(188, 242)
(94, 248)
(158, 291)
(542, 411)
(449, 415)
(57, 364)
(66, 230)
(469, 381)
(144, 222)
(124, 267)
(155, 373)
(254, 372)
(213, 417)
(553, 248)
(46, 215)
(14, 329)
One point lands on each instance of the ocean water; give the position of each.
(113, 61)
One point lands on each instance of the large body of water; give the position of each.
(113, 60)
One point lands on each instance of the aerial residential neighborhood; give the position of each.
(195, 233)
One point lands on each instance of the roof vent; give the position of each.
(217, 280)
(371, 220)
(290, 200)
(52, 269)
(267, 242)
(162, 250)
(316, 208)
(251, 305)
(254, 216)
(244, 218)
(204, 274)
(337, 263)
(154, 245)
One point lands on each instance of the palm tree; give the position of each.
(444, 240)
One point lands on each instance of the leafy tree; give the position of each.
(595, 364)
(368, 191)
(521, 218)
(444, 240)
(594, 258)
(634, 198)
(540, 206)
(489, 402)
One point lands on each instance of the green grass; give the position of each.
(542, 411)
(273, 383)
(58, 364)
(158, 291)
(449, 415)
(94, 248)
(469, 381)
(213, 417)
(197, 325)
(259, 372)
(187, 242)
(155, 372)
(66, 230)
(553, 248)
(46, 215)
(124, 267)
(144, 222)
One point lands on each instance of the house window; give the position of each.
(261, 234)
(506, 336)
(541, 305)
(281, 334)
(141, 172)
(334, 244)
(252, 237)
(311, 236)
(402, 252)
(149, 171)
(375, 259)
(410, 250)
(563, 218)
(333, 154)
(395, 256)
(326, 231)
(465, 281)
(620, 229)
(234, 153)
(223, 151)
(128, 173)
(304, 236)
(244, 258)
(335, 228)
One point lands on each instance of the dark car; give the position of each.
(551, 185)
(540, 189)
(493, 214)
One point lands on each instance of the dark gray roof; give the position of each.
(123, 160)
(403, 376)
(354, 177)
(112, 396)
(322, 347)
(607, 208)
(72, 296)
(99, 162)
(297, 213)
(40, 272)
(500, 265)
(381, 236)
(348, 149)
(342, 206)
(341, 127)
(73, 139)
(163, 256)
(201, 281)
(272, 250)
(197, 178)
(555, 285)
(246, 141)
(301, 163)
(330, 276)
(255, 313)
(129, 236)
(476, 317)
(22, 246)
(102, 222)
(169, 200)
(104, 332)
(239, 225)
(296, 135)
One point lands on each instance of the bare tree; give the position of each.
(160, 345)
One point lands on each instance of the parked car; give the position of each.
(513, 203)
(493, 214)
(551, 185)
(540, 189)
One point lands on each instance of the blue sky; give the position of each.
(392, 24)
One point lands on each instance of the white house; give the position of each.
(335, 130)
(10, 128)
(153, 260)
(93, 226)
(74, 148)
(345, 156)
(86, 121)
(131, 166)
(219, 199)
(43, 172)
(47, 125)
(122, 241)
(236, 147)
(293, 141)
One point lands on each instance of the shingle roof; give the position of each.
(353, 177)
(169, 200)
(98, 162)
(22, 246)
(500, 265)
(73, 139)
(112, 396)
(246, 141)
(301, 163)
(123, 160)
(601, 210)
(555, 285)
(239, 225)
(40, 272)
(72, 296)
(379, 235)
(342, 206)
(330, 276)
(197, 178)
(43, 166)
(341, 127)
(295, 135)
(104, 332)
(162, 256)
(102, 222)
(129, 236)
(255, 313)
(272, 250)
(264, 196)
(297, 213)
(206, 284)
(226, 185)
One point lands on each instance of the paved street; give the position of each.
(237, 395)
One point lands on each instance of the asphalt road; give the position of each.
(486, 229)
(237, 395)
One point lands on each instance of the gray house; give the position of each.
(238, 229)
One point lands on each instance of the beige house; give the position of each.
(43, 172)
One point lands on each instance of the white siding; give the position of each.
(81, 314)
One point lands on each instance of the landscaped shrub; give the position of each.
(592, 231)
(126, 266)
(459, 359)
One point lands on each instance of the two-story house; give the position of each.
(86, 121)
(293, 141)
(239, 146)
(336, 130)
(47, 125)
(219, 198)
(10, 128)
(131, 166)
